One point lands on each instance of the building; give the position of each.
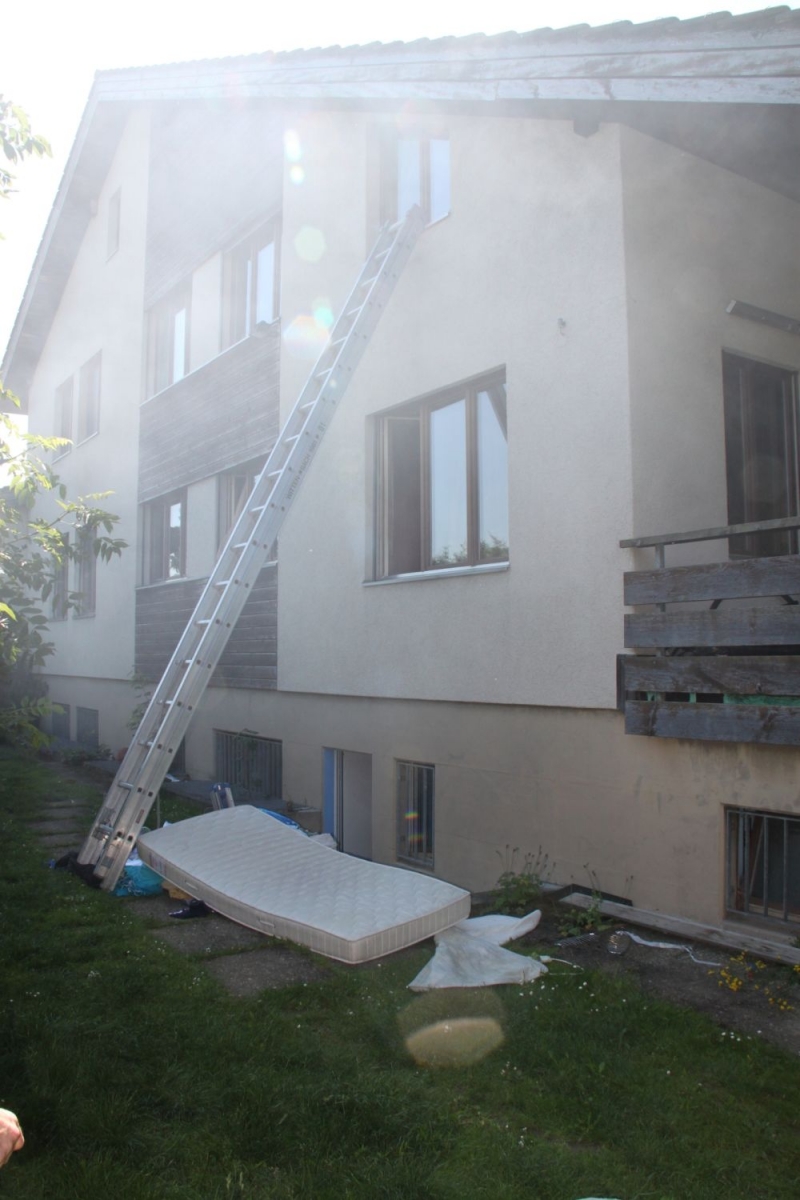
(594, 340)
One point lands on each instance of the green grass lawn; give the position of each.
(137, 1077)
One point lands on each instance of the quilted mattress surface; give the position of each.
(250, 868)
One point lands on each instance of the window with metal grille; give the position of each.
(763, 852)
(60, 722)
(87, 727)
(415, 790)
(251, 764)
(86, 573)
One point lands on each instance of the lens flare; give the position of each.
(291, 146)
(305, 338)
(309, 244)
(296, 174)
(459, 1042)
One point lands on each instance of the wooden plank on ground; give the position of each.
(735, 675)
(761, 945)
(776, 576)
(768, 725)
(732, 627)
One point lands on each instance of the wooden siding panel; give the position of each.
(250, 659)
(745, 675)
(775, 576)
(767, 725)
(216, 170)
(218, 416)
(736, 627)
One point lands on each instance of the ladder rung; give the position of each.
(368, 282)
(292, 437)
(127, 786)
(203, 621)
(222, 583)
(302, 408)
(241, 545)
(274, 474)
(147, 745)
(322, 374)
(354, 312)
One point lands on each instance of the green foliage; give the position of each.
(33, 547)
(519, 888)
(17, 141)
(584, 920)
(136, 1075)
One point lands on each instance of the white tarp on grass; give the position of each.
(470, 955)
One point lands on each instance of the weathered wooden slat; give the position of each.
(776, 576)
(769, 725)
(733, 675)
(712, 534)
(761, 945)
(734, 627)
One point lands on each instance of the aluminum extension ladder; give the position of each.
(244, 555)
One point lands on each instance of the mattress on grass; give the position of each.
(273, 879)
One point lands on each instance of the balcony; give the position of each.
(716, 647)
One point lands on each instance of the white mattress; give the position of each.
(261, 873)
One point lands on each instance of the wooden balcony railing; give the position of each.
(716, 673)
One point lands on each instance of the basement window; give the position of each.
(250, 763)
(87, 727)
(415, 802)
(763, 865)
(442, 481)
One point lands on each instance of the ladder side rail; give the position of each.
(239, 564)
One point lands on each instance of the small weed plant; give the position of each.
(747, 976)
(519, 885)
(584, 920)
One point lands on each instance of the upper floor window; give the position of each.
(164, 538)
(63, 414)
(112, 232)
(250, 285)
(234, 487)
(89, 399)
(415, 170)
(60, 593)
(761, 450)
(442, 481)
(168, 340)
(86, 573)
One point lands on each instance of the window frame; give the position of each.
(59, 600)
(237, 324)
(744, 873)
(161, 339)
(229, 508)
(85, 574)
(390, 171)
(90, 378)
(63, 414)
(155, 556)
(113, 225)
(743, 381)
(410, 789)
(420, 412)
(90, 716)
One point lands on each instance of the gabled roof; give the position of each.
(652, 75)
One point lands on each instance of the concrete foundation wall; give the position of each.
(644, 817)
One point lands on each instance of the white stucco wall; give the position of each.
(101, 310)
(696, 237)
(526, 272)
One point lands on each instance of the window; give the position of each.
(234, 487)
(164, 538)
(251, 763)
(761, 450)
(168, 341)
(763, 864)
(415, 170)
(60, 594)
(87, 727)
(89, 398)
(86, 571)
(442, 481)
(63, 414)
(112, 235)
(250, 286)
(60, 722)
(415, 813)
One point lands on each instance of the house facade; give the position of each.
(593, 341)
